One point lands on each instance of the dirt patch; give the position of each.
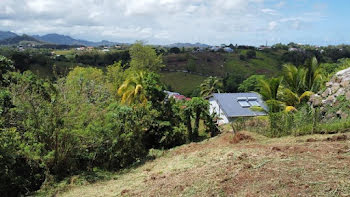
(337, 138)
(311, 140)
(240, 137)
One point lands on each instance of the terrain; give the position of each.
(245, 165)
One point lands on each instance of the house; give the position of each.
(228, 50)
(229, 106)
(176, 96)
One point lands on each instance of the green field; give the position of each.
(183, 83)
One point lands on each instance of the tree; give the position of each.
(210, 85)
(132, 91)
(87, 84)
(314, 75)
(144, 58)
(251, 84)
(294, 78)
(251, 54)
(115, 76)
(269, 91)
(175, 50)
(6, 66)
(198, 106)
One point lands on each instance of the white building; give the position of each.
(229, 106)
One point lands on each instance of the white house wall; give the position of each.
(215, 108)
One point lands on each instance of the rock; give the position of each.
(327, 92)
(316, 100)
(344, 115)
(330, 116)
(329, 84)
(340, 92)
(330, 100)
(345, 82)
(347, 96)
(339, 112)
(343, 72)
(335, 87)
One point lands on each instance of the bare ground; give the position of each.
(248, 165)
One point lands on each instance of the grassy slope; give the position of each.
(181, 82)
(264, 167)
(218, 64)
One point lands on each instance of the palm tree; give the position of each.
(294, 78)
(269, 88)
(314, 75)
(133, 89)
(210, 85)
(269, 91)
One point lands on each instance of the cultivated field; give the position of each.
(247, 165)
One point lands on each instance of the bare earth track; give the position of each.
(253, 165)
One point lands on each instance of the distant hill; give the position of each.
(180, 45)
(67, 40)
(7, 34)
(24, 39)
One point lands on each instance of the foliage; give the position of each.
(133, 89)
(251, 84)
(145, 58)
(196, 107)
(269, 88)
(19, 174)
(251, 54)
(175, 50)
(314, 77)
(6, 66)
(209, 86)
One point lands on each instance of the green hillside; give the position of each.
(216, 64)
(181, 82)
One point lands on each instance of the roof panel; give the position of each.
(232, 108)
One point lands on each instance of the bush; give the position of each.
(20, 175)
(251, 54)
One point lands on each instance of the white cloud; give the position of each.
(158, 21)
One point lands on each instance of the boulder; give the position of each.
(345, 82)
(347, 95)
(340, 92)
(335, 87)
(327, 92)
(330, 100)
(344, 115)
(329, 84)
(316, 100)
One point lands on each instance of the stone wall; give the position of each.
(334, 101)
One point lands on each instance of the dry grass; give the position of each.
(289, 166)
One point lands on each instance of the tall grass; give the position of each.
(305, 121)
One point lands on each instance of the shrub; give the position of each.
(20, 174)
(251, 54)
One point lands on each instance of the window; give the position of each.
(243, 101)
(253, 101)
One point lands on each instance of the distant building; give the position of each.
(229, 106)
(215, 48)
(176, 96)
(228, 50)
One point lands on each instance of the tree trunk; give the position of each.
(196, 124)
(189, 127)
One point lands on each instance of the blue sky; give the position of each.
(253, 22)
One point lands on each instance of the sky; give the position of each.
(251, 22)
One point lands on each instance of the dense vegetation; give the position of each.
(184, 63)
(91, 119)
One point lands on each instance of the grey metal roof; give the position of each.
(228, 102)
